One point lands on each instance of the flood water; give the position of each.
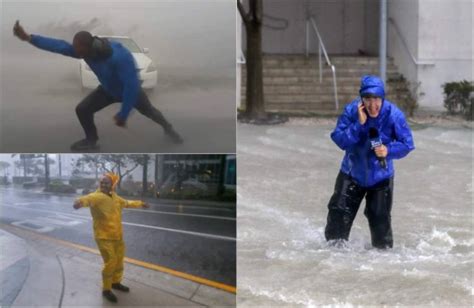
(286, 177)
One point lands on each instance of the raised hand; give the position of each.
(19, 32)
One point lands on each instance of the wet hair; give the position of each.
(84, 37)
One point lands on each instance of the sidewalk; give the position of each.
(40, 271)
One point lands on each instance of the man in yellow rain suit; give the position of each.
(106, 210)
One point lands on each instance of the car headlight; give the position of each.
(150, 68)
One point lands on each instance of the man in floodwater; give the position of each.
(116, 71)
(373, 132)
(106, 210)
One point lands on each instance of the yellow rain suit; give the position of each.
(106, 211)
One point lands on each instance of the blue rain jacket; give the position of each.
(117, 74)
(360, 161)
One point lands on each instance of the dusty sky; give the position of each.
(179, 32)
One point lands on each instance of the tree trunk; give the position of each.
(46, 171)
(255, 107)
(221, 188)
(145, 175)
(25, 170)
(60, 166)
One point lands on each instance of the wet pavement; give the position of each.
(198, 240)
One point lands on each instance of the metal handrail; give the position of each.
(241, 58)
(322, 48)
(397, 30)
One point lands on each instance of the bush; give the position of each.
(408, 101)
(84, 183)
(459, 98)
(59, 187)
(20, 179)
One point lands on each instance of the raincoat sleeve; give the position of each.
(131, 85)
(53, 45)
(130, 203)
(403, 142)
(347, 131)
(86, 201)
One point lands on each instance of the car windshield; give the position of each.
(128, 43)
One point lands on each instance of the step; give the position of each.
(314, 64)
(308, 98)
(336, 60)
(316, 89)
(309, 72)
(295, 80)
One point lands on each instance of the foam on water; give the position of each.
(286, 177)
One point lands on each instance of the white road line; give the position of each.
(155, 212)
(221, 237)
(208, 235)
(182, 214)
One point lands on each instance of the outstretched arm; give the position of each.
(133, 203)
(45, 43)
(84, 201)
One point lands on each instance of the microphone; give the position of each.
(375, 141)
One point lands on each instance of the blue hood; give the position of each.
(372, 85)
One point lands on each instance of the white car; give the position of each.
(147, 72)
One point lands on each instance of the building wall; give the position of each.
(345, 26)
(446, 38)
(405, 15)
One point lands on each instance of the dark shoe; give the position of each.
(120, 287)
(173, 135)
(84, 145)
(110, 296)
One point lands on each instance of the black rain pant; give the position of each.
(99, 99)
(345, 203)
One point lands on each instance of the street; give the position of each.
(196, 240)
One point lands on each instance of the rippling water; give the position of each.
(286, 176)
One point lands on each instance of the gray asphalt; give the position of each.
(197, 241)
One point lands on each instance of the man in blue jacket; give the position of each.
(116, 70)
(373, 132)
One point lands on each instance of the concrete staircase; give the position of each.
(291, 83)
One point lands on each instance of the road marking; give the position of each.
(220, 237)
(164, 204)
(154, 211)
(30, 224)
(163, 269)
(208, 235)
(182, 214)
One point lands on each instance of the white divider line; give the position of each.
(208, 235)
(183, 214)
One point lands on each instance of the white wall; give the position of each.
(446, 38)
(345, 26)
(405, 15)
